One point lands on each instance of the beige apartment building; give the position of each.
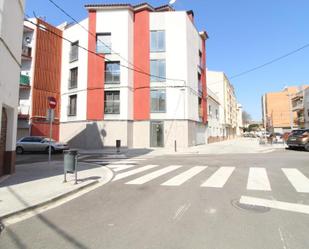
(221, 86)
(277, 110)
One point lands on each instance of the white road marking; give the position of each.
(153, 175)
(133, 172)
(185, 176)
(122, 167)
(125, 162)
(286, 206)
(139, 159)
(219, 178)
(181, 211)
(299, 181)
(258, 180)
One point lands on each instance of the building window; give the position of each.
(200, 63)
(112, 102)
(158, 100)
(73, 78)
(157, 41)
(74, 51)
(72, 105)
(112, 72)
(200, 108)
(157, 70)
(104, 43)
(200, 86)
(217, 114)
(209, 111)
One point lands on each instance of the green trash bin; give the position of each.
(70, 160)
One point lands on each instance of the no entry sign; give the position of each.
(52, 102)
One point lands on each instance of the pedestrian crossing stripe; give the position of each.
(257, 178)
(219, 178)
(153, 175)
(185, 176)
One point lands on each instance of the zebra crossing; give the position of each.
(258, 180)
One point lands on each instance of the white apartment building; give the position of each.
(11, 25)
(214, 128)
(159, 103)
(218, 83)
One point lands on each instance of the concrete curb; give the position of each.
(47, 202)
(57, 199)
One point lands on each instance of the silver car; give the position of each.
(38, 144)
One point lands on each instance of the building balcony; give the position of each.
(26, 53)
(24, 82)
(297, 105)
(23, 112)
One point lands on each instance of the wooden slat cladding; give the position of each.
(47, 70)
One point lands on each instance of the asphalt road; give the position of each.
(138, 212)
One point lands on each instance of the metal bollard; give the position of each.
(118, 145)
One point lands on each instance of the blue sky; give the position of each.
(243, 34)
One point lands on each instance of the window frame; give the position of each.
(113, 75)
(70, 80)
(157, 110)
(154, 48)
(74, 113)
(113, 102)
(103, 44)
(76, 46)
(155, 76)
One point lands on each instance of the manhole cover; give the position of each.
(250, 208)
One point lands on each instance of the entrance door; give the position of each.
(2, 140)
(156, 134)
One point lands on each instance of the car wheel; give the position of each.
(52, 150)
(307, 147)
(19, 150)
(291, 147)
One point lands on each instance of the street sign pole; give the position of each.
(51, 115)
(50, 134)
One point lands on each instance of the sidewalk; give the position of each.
(37, 184)
(233, 146)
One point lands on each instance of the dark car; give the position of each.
(299, 138)
(38, 144)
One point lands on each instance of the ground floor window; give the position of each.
(112, 102)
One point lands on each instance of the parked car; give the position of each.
(38, 144)
(299, 138)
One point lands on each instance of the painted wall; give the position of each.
(11, 26)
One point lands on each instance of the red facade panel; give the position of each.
(204, 84)
(47, 75)
(142, 63)
(95, 89)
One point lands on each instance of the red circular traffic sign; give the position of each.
(52, 102)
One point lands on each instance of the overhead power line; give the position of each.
(269, 62)
(124, 66)
(92, 34)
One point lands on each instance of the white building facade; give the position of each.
(143, 82)
(214, 128)
(218, 83)
(11, 26)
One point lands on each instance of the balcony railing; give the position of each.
(297, 105)
(23, 111)
(26, 52)
(24, 81)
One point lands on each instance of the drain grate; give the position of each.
(250, 208)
